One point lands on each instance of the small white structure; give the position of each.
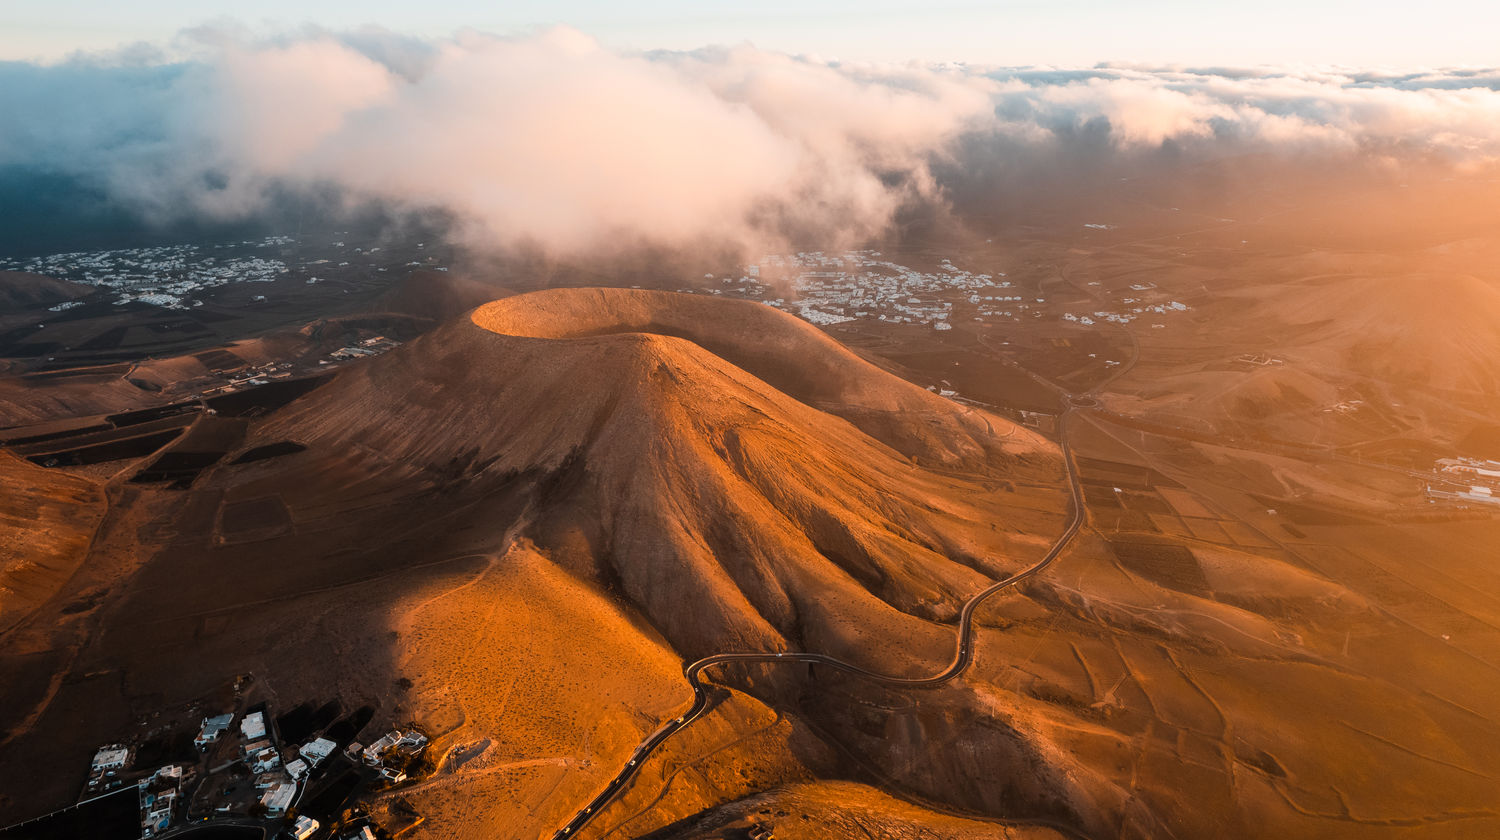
(1470, 467)
(1475, 493)
(297, 769)
(263, 760)
(112, 757)
(212, 728)
(171, 774)
(316, 752)
(279, 798)
(412, 742)
(253, 726)
(376, 750)
(304, 827)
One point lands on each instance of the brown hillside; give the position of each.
(21, 288)
(782, 351)
(735, 514)
(46, 521)
(438, 295)
(1437, 330)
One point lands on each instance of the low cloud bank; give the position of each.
(556, 142)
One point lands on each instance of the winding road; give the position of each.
(963, 656)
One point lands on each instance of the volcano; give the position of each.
(745, 480)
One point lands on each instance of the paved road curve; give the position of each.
(962, 657)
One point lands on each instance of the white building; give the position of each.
(278, 798)
(304, 827)
(212, 728)
(112, 757)
(1470, 467)
(1476, 493)
(376, 750)
(317, 751)
(253, 726)
(158, 795)
(263, 760)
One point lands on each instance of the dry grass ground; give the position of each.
(536, 687)
(1328, 685)
(47, 519)
(816, 810)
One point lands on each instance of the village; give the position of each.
(826, 289)
(178, 276)
(1465, 481)
(167, 276)
(245, 771)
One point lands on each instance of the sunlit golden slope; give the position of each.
(46, 521)
(735, 514)
(1437, 330)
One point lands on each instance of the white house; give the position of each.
(279, 798)
(317, 751)
(304, 827)
(253, 726)
(212, 728)
(112, 757)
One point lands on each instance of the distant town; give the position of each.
(178, 276)
(827, 289)
(166, 276)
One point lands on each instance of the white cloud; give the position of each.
(555, 140)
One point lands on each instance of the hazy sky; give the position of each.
(1010, 32)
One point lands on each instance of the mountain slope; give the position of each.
(20, 289)
(734, 513)
(1438, 330)
(46, 521)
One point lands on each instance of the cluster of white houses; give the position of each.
(166, 276)
(831, 288)
(280, 781)
(389, 754)
(1466, 480)
(1130, 313)
(159, 792)
(825, 289)
(363, 349)
(280, 774)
